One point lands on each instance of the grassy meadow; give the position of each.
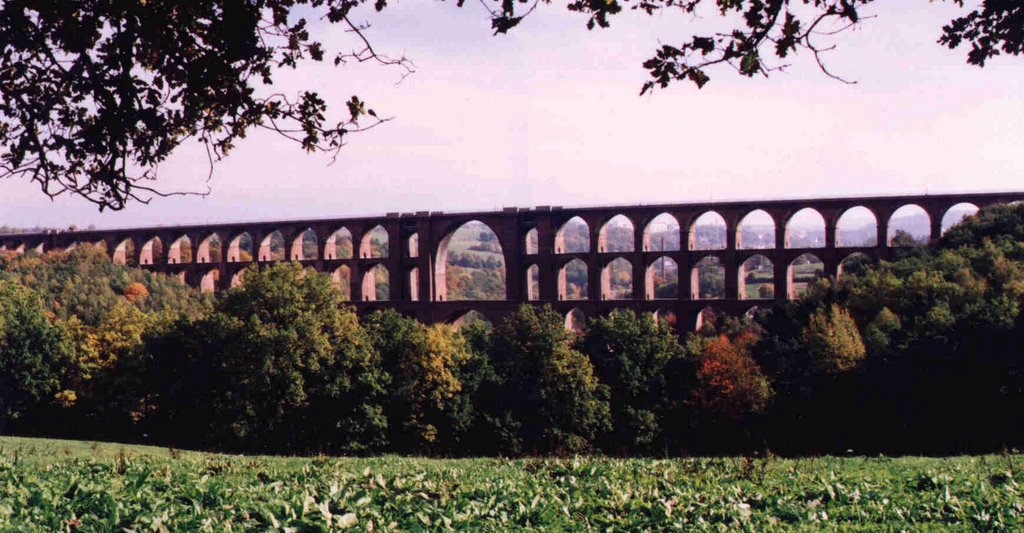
(57, 485)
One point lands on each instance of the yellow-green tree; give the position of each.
(34, 351)
(424, 363)
(833, 341)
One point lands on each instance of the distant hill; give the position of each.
(10, 230)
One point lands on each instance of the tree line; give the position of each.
(917, 355)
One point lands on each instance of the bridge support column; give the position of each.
(511, 239)
(546, 261)
(639, 263)
(936, 224)
(397, 277)
(594, 271)
(781, 279)
(732, 275)
(682, 275)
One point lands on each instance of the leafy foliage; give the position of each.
(833, 341)
(97, 93)
(994, 28)
(550, 390)
(729, 381)
(284, 365)
(58, 485)
(896, 357)
(424, 362)
(632, 355)
(84, 283)
(33, 352)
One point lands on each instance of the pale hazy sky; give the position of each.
(550, 115)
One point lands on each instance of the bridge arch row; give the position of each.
(536, 246)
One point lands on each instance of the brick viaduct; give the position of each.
(417, 247)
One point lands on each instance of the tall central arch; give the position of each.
(478, 246)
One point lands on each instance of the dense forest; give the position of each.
(917, 355)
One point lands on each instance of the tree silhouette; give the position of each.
(96, 94)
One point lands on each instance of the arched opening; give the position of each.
(376, 285)
(532, 282)
(208, 283)
(413, 285)
(342, 277)
(272, 247)
(751, 313)
(706, 320)
(805, 229)
(240, 248)
(802, 273)
(374, 243)
(662, 279)
(708, 232)
(757, 278)
(124, 252)
(472, 317)
(707, 279)
(576, 320)
(573, 237)
(531, 242)
(339, 245)
(909, 225)
(617, 280)
(954, 215)
(662, 234)
(305, 246)
(180, 251)
(666, 317)
(756, 231)
(470, 265)
(182, 277)
(37, 248)
(572, 281)
(209, 249)
(853, 264)
(857, 227)
(412, 245)
(237, 278)
(152, 252)
(616, 235)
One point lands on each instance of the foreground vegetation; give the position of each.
(53, 485)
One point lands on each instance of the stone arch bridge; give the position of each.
(412, 248)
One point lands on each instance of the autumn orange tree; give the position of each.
(729, 382)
